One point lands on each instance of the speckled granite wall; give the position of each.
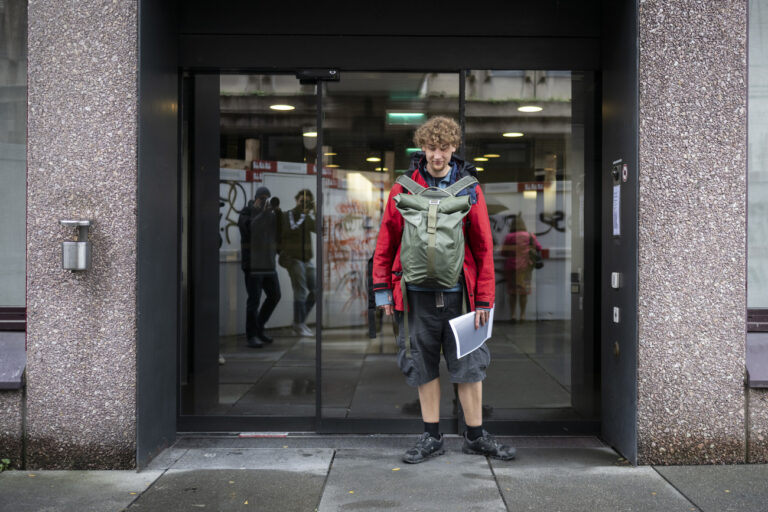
(758, 425)
(10, 426)
(692, 300)
(82, 143)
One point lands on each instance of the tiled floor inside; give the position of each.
(530, 371)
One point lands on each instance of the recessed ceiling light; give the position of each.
(329, 154)
(373, 159)
(382, 169)
(310, 134)
(491, 155)
(479, 169)
(480, 159)
(513, 134)
(331, 165)
(529, 108)
(282, 107)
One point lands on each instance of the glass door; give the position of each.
(278, 331)
(251, 202)
(369, 120)
(532, 136)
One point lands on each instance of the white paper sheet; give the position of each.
(469, 339)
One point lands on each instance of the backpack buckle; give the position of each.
(434, 201)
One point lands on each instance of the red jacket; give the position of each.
(478, 250)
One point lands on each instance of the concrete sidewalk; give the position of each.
(329, 473)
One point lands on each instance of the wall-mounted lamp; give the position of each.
(76, 256)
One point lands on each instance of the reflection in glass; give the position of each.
(757, 201)
(267, 237)
(13, 139)
(369, 123)
(522, 124)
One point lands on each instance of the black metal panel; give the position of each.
(585, 327)
(157, 261)
(619, 343)
(385, 53)
(13, 318)
(394, 17)
(204, 244)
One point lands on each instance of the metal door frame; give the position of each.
(201, 54)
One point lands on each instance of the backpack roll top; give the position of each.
(432, 247)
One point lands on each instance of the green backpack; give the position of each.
(432, 247)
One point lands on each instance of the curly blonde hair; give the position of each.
(438, 130)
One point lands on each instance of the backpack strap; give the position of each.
(410, 185)
(460, 185)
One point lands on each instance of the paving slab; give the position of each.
(300, 460)
(373, 480)
(72, 491)
(227, 490)
(580, 480)
(740, 488)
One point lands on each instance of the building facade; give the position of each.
(157, 124)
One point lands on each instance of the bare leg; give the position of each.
(512, 304)
(471, 396)
(429, 398)
(523, 304)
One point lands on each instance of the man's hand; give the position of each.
(481, 317)
(388, 308)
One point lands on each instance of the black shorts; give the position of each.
(430, 334)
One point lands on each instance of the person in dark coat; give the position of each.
(259, 235)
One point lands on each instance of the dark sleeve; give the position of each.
(243, 221)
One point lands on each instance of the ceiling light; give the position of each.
(282, 107)
(491, 155)
(529, 108)
(329, 154)
(331, 165)
(529, 194)
(310, 134)
(480, 159)
(513, 134)
(479, 169)
(373, 159)
(405, 118)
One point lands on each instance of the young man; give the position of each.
(429, 309)
(296, 256)
(259, 236)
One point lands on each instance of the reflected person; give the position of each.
(518, 265)
(296, 255)
(259, 235)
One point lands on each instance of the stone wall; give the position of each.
(692, 231)
(10, 427)
(82, 163)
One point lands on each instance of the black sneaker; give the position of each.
(487, 445)
(426, 447)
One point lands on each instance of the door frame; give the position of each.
(267, 54)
